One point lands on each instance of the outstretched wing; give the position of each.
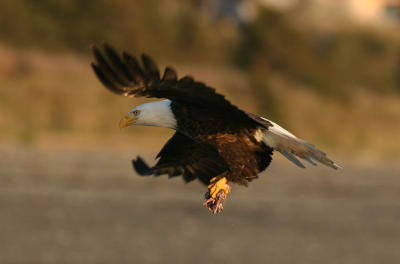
(184, 156)
(125, 76)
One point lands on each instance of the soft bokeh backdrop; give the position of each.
(329, 71)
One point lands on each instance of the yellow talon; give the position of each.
(216, 186)
(213, 180)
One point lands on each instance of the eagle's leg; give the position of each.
(217, 192)
(217, 185)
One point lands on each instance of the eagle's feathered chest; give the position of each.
(239, 145)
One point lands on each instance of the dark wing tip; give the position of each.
(94, 48)
(118, 65)
(141, 167)
(187, 80)
(97, 54)
(103, 79)
(110, 52)
(188, 176)
(169, 74)
(150, 67)
(107, 46)
(146, 57)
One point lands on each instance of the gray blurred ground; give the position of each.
(87, 206)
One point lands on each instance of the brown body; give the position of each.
(234, 140)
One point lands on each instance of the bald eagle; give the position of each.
(215, 141)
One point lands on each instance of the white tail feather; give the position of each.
(289, 145)
(292, 158)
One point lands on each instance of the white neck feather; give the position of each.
(157, 113)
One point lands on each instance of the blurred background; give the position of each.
(327, 70)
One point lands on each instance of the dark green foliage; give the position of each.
(156, 26)
(55, 24)
(329, 62)
(272, 44)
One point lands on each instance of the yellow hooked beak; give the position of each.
(127, 121)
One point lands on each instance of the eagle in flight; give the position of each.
(215, 141)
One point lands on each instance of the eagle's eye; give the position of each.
(136, 112)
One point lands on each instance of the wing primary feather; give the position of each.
(169, 74)
(188, 177)
(103, 78)
(141, 167)
(115, 59)
(151, 68)
(186, 80)
(134, 67)
(105, 67)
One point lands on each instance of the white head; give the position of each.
(150, 114)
